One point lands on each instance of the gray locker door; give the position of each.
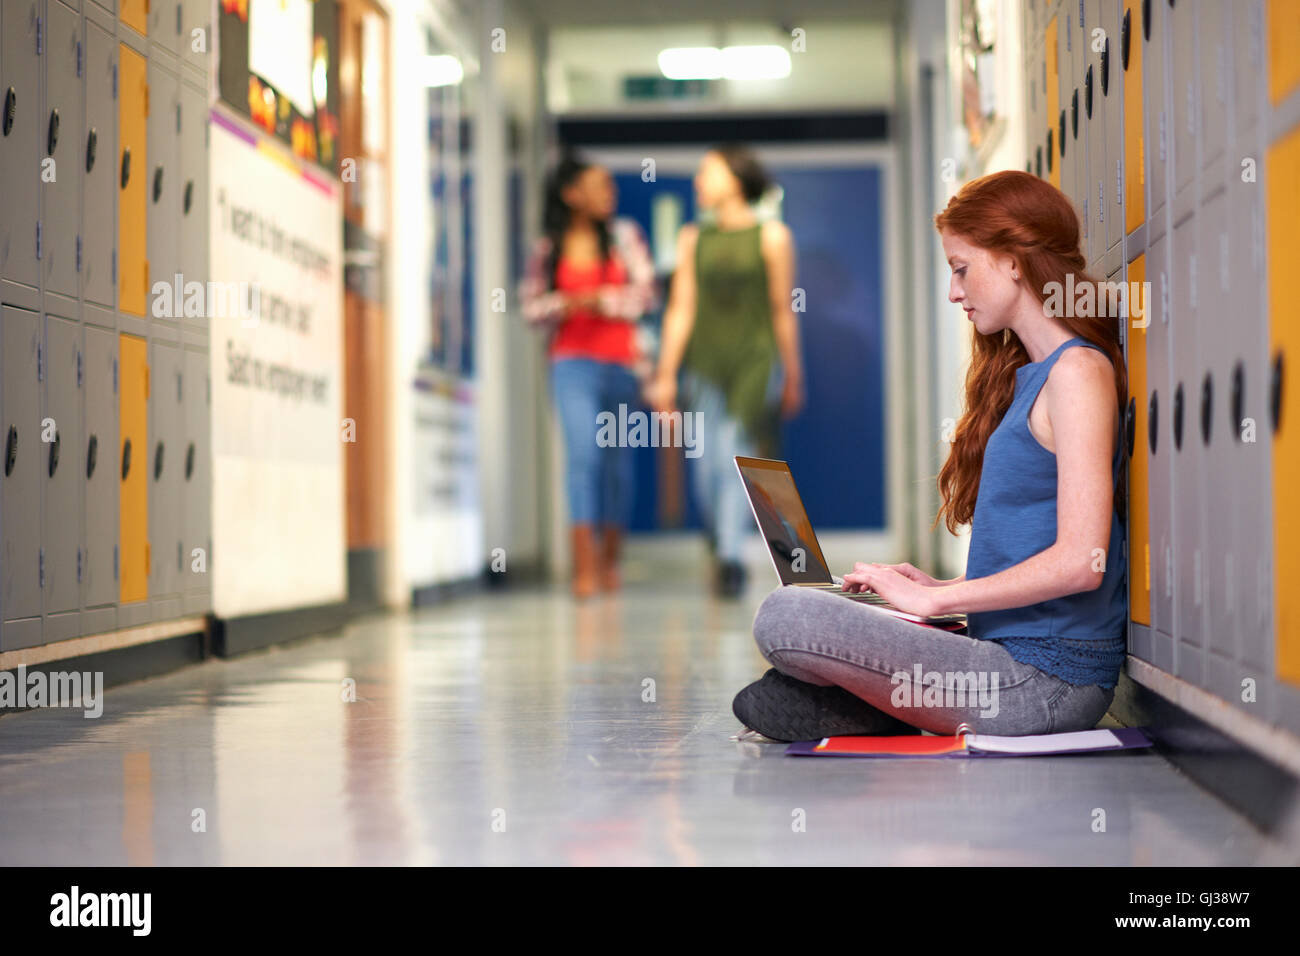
(109, 5)
(1159, 137)
(59, 131)
(1160, 467)
(101, 486)
(161, 188)
(1092, 122)
(192, 181)
(62, 466)
(196, 15)
(1190, 556)
(165, 25)
(1066, 145)
(1187, 114)
(20, 153)
(1112, 108)
(20, 514)
(98, 149)
(1218, 347)
(165, 463)
(1247, 19)
(1214, 94)
(196, 500)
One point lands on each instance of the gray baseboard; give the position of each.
(239, 635)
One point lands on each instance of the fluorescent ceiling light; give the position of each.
(441, 70)
(755, 62)
(691, 63)
(732, 63)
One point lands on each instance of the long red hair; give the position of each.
(1020, 215)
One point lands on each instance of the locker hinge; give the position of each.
(40, 563)
(78, 58)
(79, 378)
(78, 565)
(178, 556)
(148, 558)
(78, 253)
(180, 398)
(114, 562)
(1119, 183)
(40, 37)
(178, 19)
(114, 375)
(178, 117)
(40, 362)
(114, 80)
(1101, 200)
(38, 240)
(1069, 34)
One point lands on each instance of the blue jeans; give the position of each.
(598, 480)
(719, 494)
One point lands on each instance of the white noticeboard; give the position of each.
(278, 509)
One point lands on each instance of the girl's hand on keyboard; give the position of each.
(894, 586)
(911, 572)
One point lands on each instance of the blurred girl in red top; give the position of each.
(589, 279)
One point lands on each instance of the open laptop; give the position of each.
(792, 543)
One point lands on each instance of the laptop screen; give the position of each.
(784, 524)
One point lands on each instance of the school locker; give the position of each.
(1139, 531)
(1184, 87)
(60, 171)
(165, 25)
(1066, 145)
(196, 496)
(1131, 46)
(101, 480)
(1052, 79)
(1283, 49)
(1188, 479)
(1158, 138)
(135, 14)
(20, 153)
(1096, 58)
(20, 513)
(1283, 211)
(1218, 344)
(1246, 18)
(161, 189)
(133, 173)
(61, 499)
(108, 5)
(192, 186)
(196, 15)
(98, 150)
(133, 501)
(1214, 38)
(1111, 85)
(163, 478)
(1246, 445)
(1160, 447)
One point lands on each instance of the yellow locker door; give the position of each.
(1139, 512)
(135, 14)
(1283, 30)
(1135, 212)
(1053, 105)
(1283, 175)
(132, 170)
(133, 405)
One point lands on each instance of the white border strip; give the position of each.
(99, 643)
(1275, 743)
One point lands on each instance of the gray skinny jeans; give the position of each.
(925, 677)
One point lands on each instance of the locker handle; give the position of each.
(1130, 424)
(126, 458)
(157, 461)
(52, 134)
(11, 109)
(126, 165)
(189, 461)
(1105, 67)
(1087, 92)
(54, 453)
(1074, 115)
(92, 141)
(1178, 417)
(1124, 40)
(1038, 162)
(1238, 399)
(1153, 419)
(1061, 133)
(157, 183)
(1207, 407)
(189, 197)
(11, 450)
(1275, 393)
(1146, 19)
(92, 456)
(1049, 152)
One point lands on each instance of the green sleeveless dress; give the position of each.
(732, 344)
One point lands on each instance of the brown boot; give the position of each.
(585, 560)
(611, 538)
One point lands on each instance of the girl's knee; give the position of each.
(778, 617)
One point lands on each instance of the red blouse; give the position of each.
(585, 333)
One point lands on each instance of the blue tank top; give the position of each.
(1079, 638)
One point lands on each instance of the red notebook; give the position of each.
(973, 745)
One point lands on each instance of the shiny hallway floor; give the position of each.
(527, 711)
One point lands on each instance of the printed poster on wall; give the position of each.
(278, 511)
